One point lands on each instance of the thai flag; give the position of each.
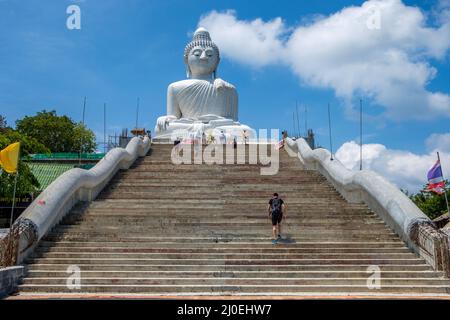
(435, 179)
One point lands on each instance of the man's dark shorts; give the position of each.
(276, 218)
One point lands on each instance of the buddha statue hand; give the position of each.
(220, 84)
(163, 121)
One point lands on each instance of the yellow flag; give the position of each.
(9, 157)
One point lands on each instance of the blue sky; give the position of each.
(130, 49)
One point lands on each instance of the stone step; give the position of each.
(229, 190)
(307, 208)
(225, 219)
(264, 193)
(265, 189)
(166, 197)
(300, 201)
(221, 163)
(164, 232)
(308, 259)
(204, 217)
(250, 171)
(152, 204)
(208, 243)
(238, 153)
(230, 249)
(192, 196)
(222, 174)
(86, 274)
(226, 256)
(206, 220)
(223, 186)
(224, 161)
(204, 214)
(131, 281)
(231, 225)
(289, 229)
(235, 178)
(325, 268)
(236, 289)
(224, 237)
(199, 214)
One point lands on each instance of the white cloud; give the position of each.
(438, 142)
(351, 51)
(256, 42)
(405, 169)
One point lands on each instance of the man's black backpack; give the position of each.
(276, 206)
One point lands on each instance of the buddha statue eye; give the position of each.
(197, 53)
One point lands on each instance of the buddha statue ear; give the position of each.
(188, 71)
(217, 66)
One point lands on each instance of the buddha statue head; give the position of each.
(201, 56)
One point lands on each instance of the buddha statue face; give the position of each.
(202, 61)
(201, 55)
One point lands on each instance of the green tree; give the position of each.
(27, 184)
(28, 145)
(26, 181)
(58, 133)
(83, 139)
(432, 204)
(3, 124)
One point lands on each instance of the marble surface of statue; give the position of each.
(203, 102)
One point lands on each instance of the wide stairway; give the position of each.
(165, 229)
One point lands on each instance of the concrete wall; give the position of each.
(382, 197)
(9, 279)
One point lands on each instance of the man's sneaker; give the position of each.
(274, 241)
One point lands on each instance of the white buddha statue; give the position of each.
(202, 103)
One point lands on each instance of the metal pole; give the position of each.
(298, 123)
(137, 112)
(306, 121)
(329, 125)
(104, 127)
(81, 138)
(445, 189)
(293, 122)
(84, 108)
(13, 201)
(360, 134)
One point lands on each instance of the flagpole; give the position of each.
(293, 122)
(137, 112)
(14, 192)
(81, 138)
(360, 136)
(445, 189)
(14, 201)
(329, 126)
(298, 123)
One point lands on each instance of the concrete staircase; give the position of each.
(165, 229)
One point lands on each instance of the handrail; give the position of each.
(71, 187)
(385, 199)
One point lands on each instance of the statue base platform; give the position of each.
(209, 128)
